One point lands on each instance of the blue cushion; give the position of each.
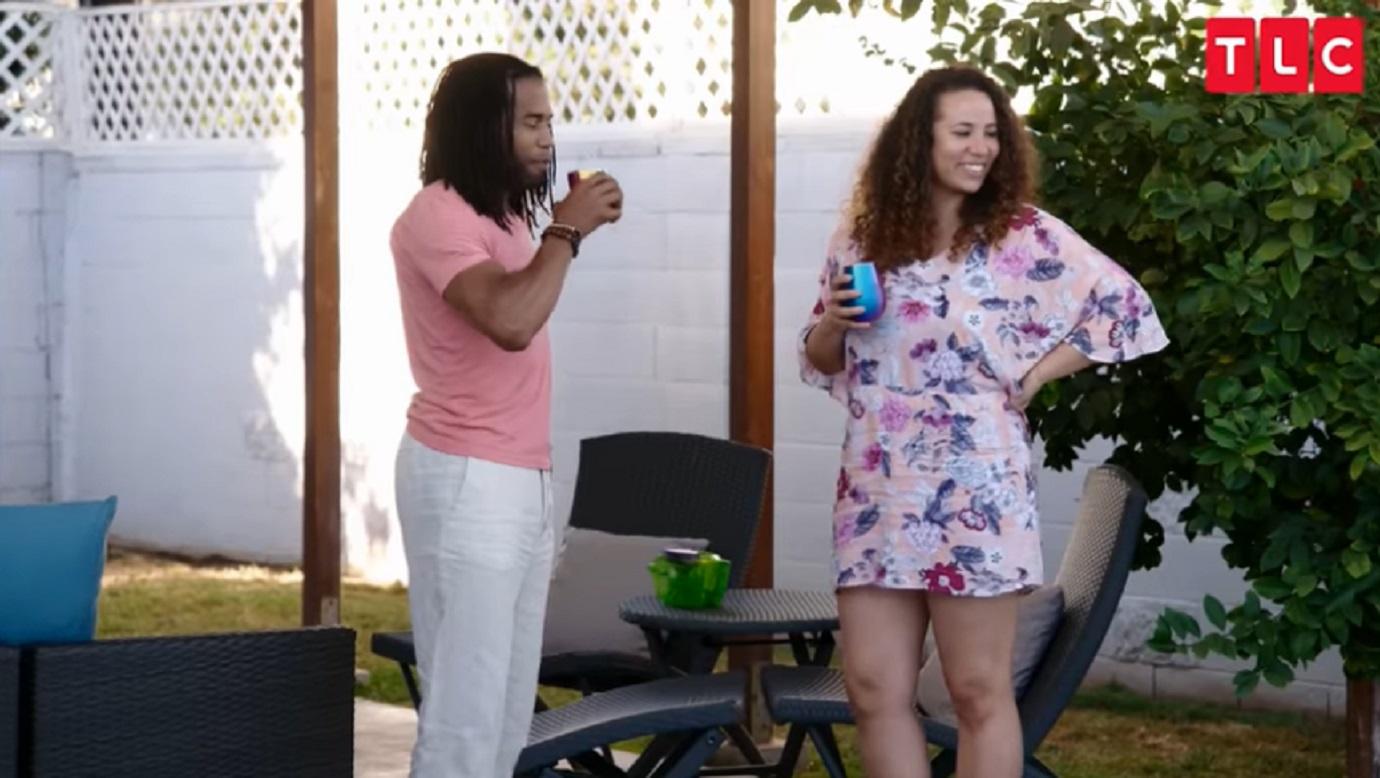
(53, 557)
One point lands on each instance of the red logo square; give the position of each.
(1338, 58)
(1284, 55)
(1230, 51)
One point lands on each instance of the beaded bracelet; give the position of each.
(566, 233)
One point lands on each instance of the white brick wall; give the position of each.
(175, 282)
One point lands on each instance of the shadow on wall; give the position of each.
(187, 375)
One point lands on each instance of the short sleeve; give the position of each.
(836, 384)
(443, 236)
(1112, 318)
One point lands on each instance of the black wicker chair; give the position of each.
(646, 483)
(9, 711)
(1093, 575)
(238, 704)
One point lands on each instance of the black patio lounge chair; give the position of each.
(1092, 574)
(9, 711)
(663, 484)
(686, 718)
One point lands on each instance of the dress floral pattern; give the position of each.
(937, 488)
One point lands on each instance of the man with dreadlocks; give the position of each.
(473, 468)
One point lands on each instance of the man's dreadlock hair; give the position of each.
(469, 139)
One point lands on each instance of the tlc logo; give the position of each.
(1338, 62)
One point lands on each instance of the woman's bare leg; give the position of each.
(975, 638)
(882, 635)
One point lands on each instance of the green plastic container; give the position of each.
(693, 585)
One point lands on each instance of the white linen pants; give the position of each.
(479, 544)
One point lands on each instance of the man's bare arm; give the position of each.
(511, 307)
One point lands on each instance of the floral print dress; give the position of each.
(937, 488)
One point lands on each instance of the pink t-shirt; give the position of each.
(474, 398)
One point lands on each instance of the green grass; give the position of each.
(1107, 733)
(146, 596)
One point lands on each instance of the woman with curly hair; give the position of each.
(988, 298)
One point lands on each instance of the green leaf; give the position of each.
(1162, 639)
(1274, 556)
(1301, 234)
(1153, 277)
(1250, 607)
(1214, 192)
(1182, 623)
(1304, 208)
(1216, 614)
(1305, 585)
(1360, 141)
(1289, 345)
(1060, 37)
(1302, 643)
(1323, 335)
(1290, 279)
(1228, 389)
(1279, 674)
(1271, 588)
(818, 6)
(1356, 563)
(1245, 682)
(1193, 225)
(1358, 466)
(940, 16)
(1303, 259)
(1272, 249)
(1274, 129)
(1280, 210)
(1296, 320)
(1300, 414)
(1275, 382)
(911, 7)
(1337, 627)
(1332, 131)
(1305, 185)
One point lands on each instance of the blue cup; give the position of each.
(872, 296)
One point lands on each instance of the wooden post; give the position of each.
(321, 487)
(753, 224)
(1360, 728)
(752, 283)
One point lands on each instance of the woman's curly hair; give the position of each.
(890, 199)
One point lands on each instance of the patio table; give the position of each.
(745, 617)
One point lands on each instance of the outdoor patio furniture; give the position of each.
(1093, 575)
(685, 717)
(235, 704)
(745, 617)
(664, 484)
(9, 711)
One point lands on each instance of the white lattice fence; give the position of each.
(231, 69)
(392, 50)
(609, 58)
(608, 61)
(29, 101)
(191, 71)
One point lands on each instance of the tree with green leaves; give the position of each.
(1254, 221)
